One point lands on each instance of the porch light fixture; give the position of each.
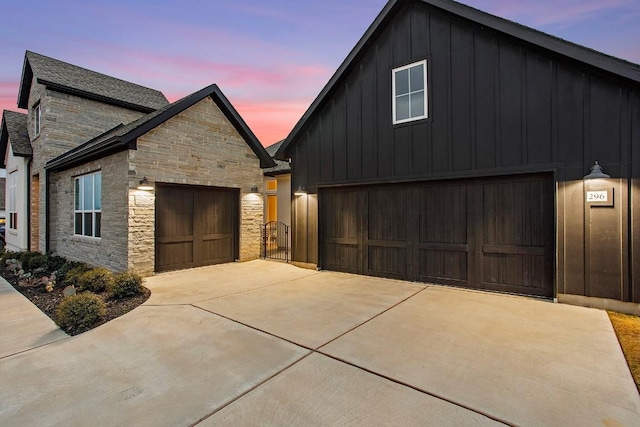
(301, 191)
(254, 189)
(144, 185)
(596, 172)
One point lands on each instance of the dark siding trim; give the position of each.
(90, 151)
(92, 96)
(479, 173)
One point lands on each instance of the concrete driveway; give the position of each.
(264, 343)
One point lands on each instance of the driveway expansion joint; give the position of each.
(318, 350)
(35, 348)
(241, 395)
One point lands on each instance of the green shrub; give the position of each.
(80, 311)
(70, 273)
(32, 260)
(9, 255)
(95, 280)
(54, 262)
(125, 285)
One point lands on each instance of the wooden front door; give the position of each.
(195, 226)
(494, 234)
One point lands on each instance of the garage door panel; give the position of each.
(214, 212)
(489, 233)
(175, 214)
(516, 273)
(443, 232)
(342, 257)
(443, 214)
(217, 249)
(386, 241)
(517, 236)
(195, 226)
(387, 219)
(176, 255)
(443, 266)
(387, 261)
(341, 211)
(514, 214)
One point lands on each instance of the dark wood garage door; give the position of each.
(195, 226)
(494, 234)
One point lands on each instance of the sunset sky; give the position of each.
(271, 58)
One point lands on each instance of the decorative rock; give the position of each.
(69, 290)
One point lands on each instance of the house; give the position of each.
(110, 173)
(455, 147)
(276, 242)
(277, 189)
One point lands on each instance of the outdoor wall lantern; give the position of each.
(254, 189)
(301, 191)
(144, 185)
(598, 192)
(596, 172)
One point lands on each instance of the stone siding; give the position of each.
(141, 253)
(66, 122)
(251, 221)
(196, 147)
(111, 249)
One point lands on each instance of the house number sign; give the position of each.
(597, 196)
(600, 197)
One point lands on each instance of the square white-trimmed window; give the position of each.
(410, 92)
(37, 117)
(13, 191)
(87, 205)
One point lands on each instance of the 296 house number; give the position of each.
(597, 196)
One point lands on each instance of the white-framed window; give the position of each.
(87, 208)
(410, 92)
(37, 116)
(13, 191)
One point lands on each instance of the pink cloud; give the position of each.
(9, 95)
(272, 121)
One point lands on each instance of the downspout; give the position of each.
(631, 280)
(47, 244)
(29, 189)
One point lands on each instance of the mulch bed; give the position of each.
(48, 302)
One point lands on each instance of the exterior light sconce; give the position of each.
(254, 189)
(301, 191)
(144, 185)
(598, 192)
(596, 172)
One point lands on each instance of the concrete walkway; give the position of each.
(264, 343)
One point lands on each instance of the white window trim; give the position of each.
(81, 204)
(12, 202)
(37, 119)
(426, 92)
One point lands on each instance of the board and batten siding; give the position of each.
(498, 105)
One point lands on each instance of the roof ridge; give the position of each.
(91, 71)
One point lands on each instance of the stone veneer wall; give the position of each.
(251, 221)
(66, 122)
(110, 250)
(196, 147)
(141, 231)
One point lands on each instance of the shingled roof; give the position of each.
(123, 137)
(282, 167)
(14, 129)
(74, 80)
